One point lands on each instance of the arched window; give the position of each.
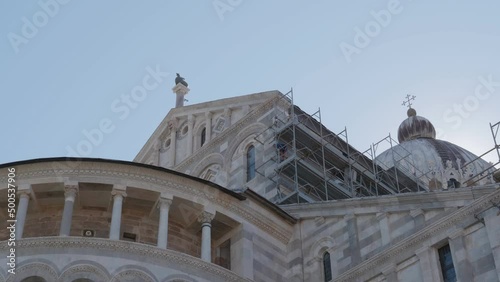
(250, 163)
(203, 136)
(327, 267)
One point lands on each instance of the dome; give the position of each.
(415, 127)
(436, 164)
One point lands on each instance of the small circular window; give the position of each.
(167, 143)
(184, 130)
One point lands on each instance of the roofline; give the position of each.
(240, 196)
(173, 111)
(255, 196)
(157, 168)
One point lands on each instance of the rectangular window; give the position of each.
(223, 255)
(250, 163)
(129, 237)
(327, 267)
(446, 262)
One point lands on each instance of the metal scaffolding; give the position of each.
(311, 163)
(489, 171)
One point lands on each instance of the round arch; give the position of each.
(322, 245)
(45, 270)
(214, 158)
(249, 131)
(133, 273)
(84, 269)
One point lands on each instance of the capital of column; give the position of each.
(388, 269)
(349, 216)
(164, 203)
(416, 212)
(205, 217)
(172, 125)
(190, 120)
(70, 192)
(457, 234)
(24, 193)
(118, 193)
(381, 215)
(208, 115)
(180, 89)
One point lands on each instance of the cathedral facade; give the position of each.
(252, 188)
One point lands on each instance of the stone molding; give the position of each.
(414, 242)
(140, 251)
(32, 172)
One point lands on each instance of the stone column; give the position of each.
(429, 264)
(385, 233)
(190, 135)
(116, 217)
(70, 192)
(492, 224)
(352, 230)
(418, 217)
(208, 132)
(180, 91)
(22, 209)
(173, 141)
(164, 206)
(227, 116)
(205, 218)
(463, 267)
(242, 252)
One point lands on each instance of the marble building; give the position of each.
(251, 188)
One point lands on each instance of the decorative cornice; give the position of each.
(161, 179)
(390, 203)
(414, 242)
(141, 252)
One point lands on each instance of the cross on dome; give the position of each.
(408, 100)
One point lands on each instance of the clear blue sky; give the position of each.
(63, 66)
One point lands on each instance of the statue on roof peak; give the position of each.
(180, 79)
